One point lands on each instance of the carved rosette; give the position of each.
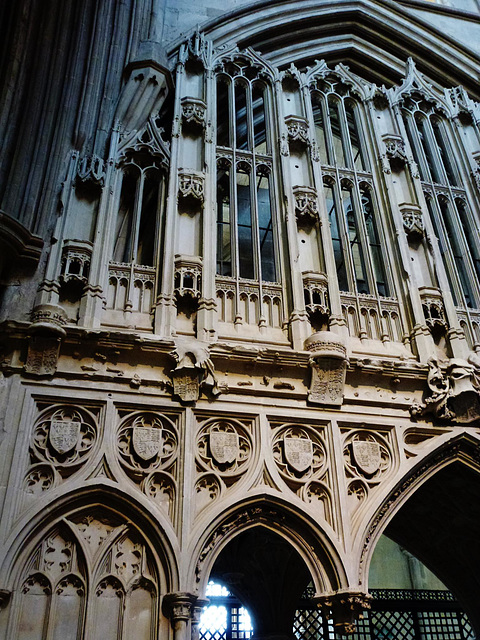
(306, 205)
(40, 478)
(412, 222)
(64, 437)
(147, 445)
(297, 128)
(194, 112)
(224, 447)
(328, 362)
(345, 607)
(191, 186)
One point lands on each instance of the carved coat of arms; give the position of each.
(367, 455)
(224, 446)
(147, 441)
(299, 453)
(64, 435)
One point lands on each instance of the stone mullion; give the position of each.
(337, 322)
(339, 481)
(165, 308)
(299, 324)
(91, 308)
(386, 201)
(207, 309)
(186, 478)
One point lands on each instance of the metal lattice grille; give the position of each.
(439, 625)
(309, 624)
(392, 624)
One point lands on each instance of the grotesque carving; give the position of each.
(329, 365)
(194, 370)
(454, 391)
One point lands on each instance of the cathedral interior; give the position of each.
(240, 320)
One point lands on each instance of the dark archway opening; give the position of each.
(268, 577)
(440, 525)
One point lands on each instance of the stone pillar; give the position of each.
(196, 613)
(180, 608)
(345, 607)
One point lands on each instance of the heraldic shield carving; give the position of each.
(298, 453)
(224, 446)
(147, 442)
(367, 455)
(64, 435)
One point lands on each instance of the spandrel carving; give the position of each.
(225, 447)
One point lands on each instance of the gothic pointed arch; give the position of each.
(317, 552)
(432, 504)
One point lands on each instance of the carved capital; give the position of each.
(179, 606)
(345, 607)
(394, 148)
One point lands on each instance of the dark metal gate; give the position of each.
(396, 614)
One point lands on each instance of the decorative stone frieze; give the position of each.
(188, 276)
(194, 369)
(91, 169)
(412, 221)
(297, 128)
(433, 309)
(345, 607)
(306, 204)
(328, 362)
(191, 186)
(194, 112)
(76, 257)
(315, 287)
(453, 391)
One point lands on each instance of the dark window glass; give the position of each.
(267, 257)
(470, 238)
(241, 129)
(148, 219)
(374, 242)
(224, 245)
(122, 251)
(408, 127)
(355, 243)
(336, 239)
(320, 128)
(444, 153)
(335, 125)
(456, 250)
(358, 161)
(258, 108)
(223, 114)
(244, 227)
(429, 156)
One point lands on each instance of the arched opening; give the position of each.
(267, 577)
(440, 525)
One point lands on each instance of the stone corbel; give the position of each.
(191, 186)
(297, 128)
(91, 169)
(194, 370)
(179, 607)
(306, 205)
(395, 148)
(46, 333)
(412, 221)
(193, 112)
(345, 607)
(328, 362)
